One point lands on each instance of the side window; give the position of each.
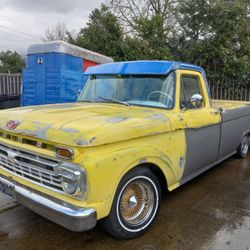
(190, 85)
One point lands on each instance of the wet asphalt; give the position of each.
(210, 212)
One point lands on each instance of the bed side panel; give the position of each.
(235, 124)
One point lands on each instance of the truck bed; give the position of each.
(227, 105)
(235, 120)
(232, 110)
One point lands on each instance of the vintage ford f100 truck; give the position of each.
(137, 128)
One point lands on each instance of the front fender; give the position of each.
(107, 165)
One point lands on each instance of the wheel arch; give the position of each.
(158, 173)
(157, 167)
(246, 132)
(162, 170)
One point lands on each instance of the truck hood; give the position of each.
(85, 124)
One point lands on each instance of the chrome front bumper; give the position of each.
(73, 218)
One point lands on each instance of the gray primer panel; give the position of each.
(235, 124)
(202, 170)
(231, 114)
(210, 145)
(66, 48)
(202, 148)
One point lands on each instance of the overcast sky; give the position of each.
(22, 22)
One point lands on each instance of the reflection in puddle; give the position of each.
(233, 237)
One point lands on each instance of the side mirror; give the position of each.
(196, 101)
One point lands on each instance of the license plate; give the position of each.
(7, 189)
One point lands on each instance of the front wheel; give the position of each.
(243, 148)
(135, 205)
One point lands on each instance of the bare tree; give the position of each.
(130, 10)
(54, 33)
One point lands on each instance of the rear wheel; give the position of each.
(135, 205)
(243, 148)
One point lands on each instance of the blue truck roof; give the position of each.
(141, 68)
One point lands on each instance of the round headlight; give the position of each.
(68, 182)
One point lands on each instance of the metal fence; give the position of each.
(227, 89)
(230, 92)
(237, 89)
(10, 84)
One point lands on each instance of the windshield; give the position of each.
(143, 90)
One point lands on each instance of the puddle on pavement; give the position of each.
(232, 237)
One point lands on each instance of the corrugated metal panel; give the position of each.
(57, 79)
(52, 85)
(54, 72)
(71, 83)
(28, 87)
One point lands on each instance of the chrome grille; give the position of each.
(35, 168)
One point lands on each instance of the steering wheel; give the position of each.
(169, 98)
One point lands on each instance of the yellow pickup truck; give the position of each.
(136, 129)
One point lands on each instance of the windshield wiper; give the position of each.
(113, 100)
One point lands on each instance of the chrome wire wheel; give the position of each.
(242, 150)
(244, 145)
(137, 202)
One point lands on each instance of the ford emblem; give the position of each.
(11, 125)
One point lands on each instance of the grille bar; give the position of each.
(26, 165)
(30, 156)
(32, 175)
(32, 167)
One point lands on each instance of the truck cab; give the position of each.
(136, 129)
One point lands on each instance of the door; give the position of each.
(202, 123)
(40, 80)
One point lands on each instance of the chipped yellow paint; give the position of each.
(86, 124)
(109, 140)
(124, 137)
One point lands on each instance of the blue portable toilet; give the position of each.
(54, 72)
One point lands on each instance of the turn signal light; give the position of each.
(64, 153)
